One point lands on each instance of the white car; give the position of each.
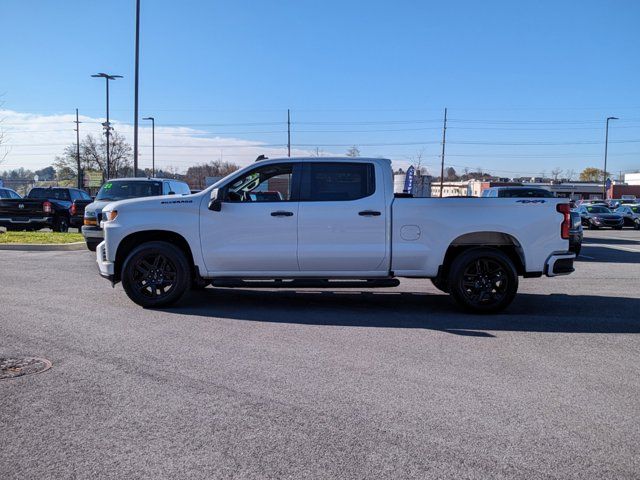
(334, 219)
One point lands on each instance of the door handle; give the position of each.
(369, 213)
(281, 213)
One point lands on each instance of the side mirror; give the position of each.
(171, 193)
(215, 204)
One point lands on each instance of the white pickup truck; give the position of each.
(296, 221)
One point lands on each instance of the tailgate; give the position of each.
(10, 208)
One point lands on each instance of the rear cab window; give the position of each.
(49, 194)
(337, 181)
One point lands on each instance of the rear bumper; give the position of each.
(105, 267)
(40, 222)
(559, 264)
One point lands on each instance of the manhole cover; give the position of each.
(16, 367)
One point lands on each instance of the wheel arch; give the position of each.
(132, 240)
(502, 241)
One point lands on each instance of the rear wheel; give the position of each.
(636, 224)
(61, 225)
(483, 280)
(156, 274)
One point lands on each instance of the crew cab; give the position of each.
(57, 208)
(121, 189)
(335, 219)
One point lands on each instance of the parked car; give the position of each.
(596, 216)
(575, 233)
(336, 219)
(57, 208)
(8, 193)
(517, 192)
(122, 189)
(631, 215)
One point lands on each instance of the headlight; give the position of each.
(109, 216)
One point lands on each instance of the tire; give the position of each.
(61, 225)
(92, 246)
(483, 280)
(592, 226)
(441, 284)
(156, 274)
(636, 225)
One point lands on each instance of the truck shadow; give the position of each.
(610, 241)
(557, 313)
(594, 253)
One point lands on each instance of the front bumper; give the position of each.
(105, 267)
(93, 233)
(559, 264)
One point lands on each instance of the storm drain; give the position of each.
(16, 367)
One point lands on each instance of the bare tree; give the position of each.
(93, 156)
(3, 150)
(196, 175)
(555, 173)
(353, 151)
(569, 174)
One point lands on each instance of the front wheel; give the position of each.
(156, 274)
(441, 284)
(92, 246)
(483, 280)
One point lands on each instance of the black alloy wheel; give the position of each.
(483, 280)
(156, 274)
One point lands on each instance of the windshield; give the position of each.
(120, 190)
(598, 210)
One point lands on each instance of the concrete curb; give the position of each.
(44, 247)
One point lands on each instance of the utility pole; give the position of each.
(444, 141)
(107, 124)
(153, 145)
(288, 132)
(77, 122)
(135, 93)
(606, 145)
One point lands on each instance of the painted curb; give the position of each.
(44, 247)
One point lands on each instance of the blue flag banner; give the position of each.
(408, 180)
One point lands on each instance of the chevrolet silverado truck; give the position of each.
(336, 222)
(45, 207)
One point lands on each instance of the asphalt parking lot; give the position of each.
(391, 383)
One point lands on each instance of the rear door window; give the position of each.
(339, 181)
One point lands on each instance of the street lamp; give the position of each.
(153, 145)
(606, 145)
(107, 125)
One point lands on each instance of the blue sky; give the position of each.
(527, 84)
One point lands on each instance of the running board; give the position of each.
(306, 283)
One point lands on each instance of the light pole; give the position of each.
(107, 125)
(135, 92)
(606, 146)
(153, 145)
